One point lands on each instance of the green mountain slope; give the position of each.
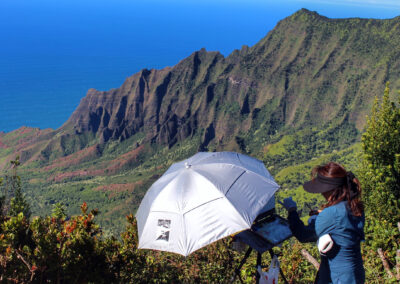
(301, 93)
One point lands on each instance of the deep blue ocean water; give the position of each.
(52, 52)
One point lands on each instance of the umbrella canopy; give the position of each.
(203, 199)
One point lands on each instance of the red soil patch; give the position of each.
(35, 180)
(73, 159)
(2, 145)
(266, 148)
(120, 207)
(79, 173)
(24, 130)
(3, 165)
(31, 139)
(116, 188)
(117, 208)
(114, 166)
(118, 163)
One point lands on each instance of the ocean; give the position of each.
(43, 91)
(52, 52)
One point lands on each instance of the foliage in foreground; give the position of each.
(58, 249)
(380, 176)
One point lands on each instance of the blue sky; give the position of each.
(387, 4)
(49, 26)
(53, 51)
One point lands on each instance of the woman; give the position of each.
(338, 227)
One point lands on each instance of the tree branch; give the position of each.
(26, 263)
(23, 260)
(398, 264)
(398, 258)
(310, 258)
(385, 263)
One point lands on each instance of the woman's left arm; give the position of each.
(303, 233)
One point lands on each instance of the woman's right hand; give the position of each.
(289, 204)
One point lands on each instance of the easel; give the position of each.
(259, 255)
(257, 243)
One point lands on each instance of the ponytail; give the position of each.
(350, 190)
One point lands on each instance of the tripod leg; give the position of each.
(237, 270)
(258, 264)
(280, 270)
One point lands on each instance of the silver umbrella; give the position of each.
(202, 199)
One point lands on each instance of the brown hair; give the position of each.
(350, 193)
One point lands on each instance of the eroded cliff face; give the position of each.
(310, 70)
(165, 104)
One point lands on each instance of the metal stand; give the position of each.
(243, 261)
(259, 243)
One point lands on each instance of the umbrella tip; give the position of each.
(187, 165)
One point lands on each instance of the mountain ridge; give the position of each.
(216, 59)
(311, 78)
(168, 103)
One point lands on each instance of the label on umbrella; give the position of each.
(163, 230)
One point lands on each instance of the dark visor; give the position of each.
(322, 184)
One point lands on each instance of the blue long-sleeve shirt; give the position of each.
(343, 263)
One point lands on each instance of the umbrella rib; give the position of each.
(234, 182)
(203, 204)
(151, 205)
(183, 213)
(165, 211)
(264, 178)
(247, 170)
